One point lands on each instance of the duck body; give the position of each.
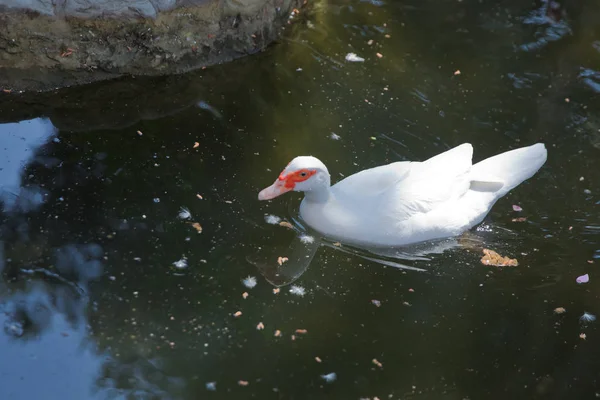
(409, 202)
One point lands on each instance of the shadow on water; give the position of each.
(106, 292)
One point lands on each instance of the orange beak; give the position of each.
(276, 189)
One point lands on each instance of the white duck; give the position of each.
(406, 202)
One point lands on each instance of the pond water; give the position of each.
(106, 293)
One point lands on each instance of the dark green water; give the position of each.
(93, 307)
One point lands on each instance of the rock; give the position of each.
(45, 44)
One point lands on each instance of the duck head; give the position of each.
(303, 174)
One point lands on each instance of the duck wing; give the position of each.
(398, 191)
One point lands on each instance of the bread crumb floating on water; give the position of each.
(317, 359)
(277, 333)
(281, 260)
(272, 219)
(196, 144)
(301, 331)
(374, 361)
(377, 303)
(276, 290)
(237, 314)
(582, 336)
(492, 258)
(197, 227)
(249, 282)
(286, 224)
(245, 295)
(352, 57)
(199, 196)
(329, 378)
(139, 133)
(243, 383)
(560, 310)
(212, 386)
(379, 55)
(260, 326)
(520, 219)
(298, 290)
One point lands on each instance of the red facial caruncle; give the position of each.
(292, 178)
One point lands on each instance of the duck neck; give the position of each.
(320, 194)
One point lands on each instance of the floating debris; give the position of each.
(334, 136)
(212, 386)
(587, 317)
(181, 264)
(249, 282)
(582, 336)
(492, 258)
(317, 359)
(583, 279)
(377, 303)
(352, 57)
(379, 55)
(516, 208)
(281, 260)
(243, 383)
(374, 361)
(272, 219)
(277, 333)
(276, 290)
(260, 326)
(457, 72)
(370, 42)
(196, 144)
(306, 239)
(184, 213)
(520, 219)
(139, 133)
(560, 310)
(286, 224)
(411, 290)
(245, 295)
(329, 378)
(237, 314)
(297, 290)
(197, 227)
(301, 331)
(199, 196)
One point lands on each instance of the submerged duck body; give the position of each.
(406, 202)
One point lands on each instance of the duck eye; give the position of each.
(302, 173)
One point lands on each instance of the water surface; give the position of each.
(93, 179)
